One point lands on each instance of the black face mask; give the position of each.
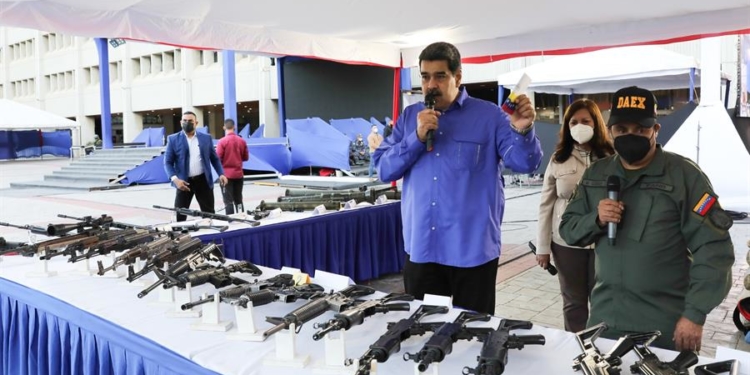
(188, 127)
(633, 148)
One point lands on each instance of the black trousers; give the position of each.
(232, 193)
(577, 279)
(203, 193)
(472, 288)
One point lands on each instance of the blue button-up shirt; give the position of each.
(452, 198)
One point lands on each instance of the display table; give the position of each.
(71, 324)
(363, 243)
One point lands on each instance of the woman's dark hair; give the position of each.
(601, 144)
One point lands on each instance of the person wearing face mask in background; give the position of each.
(583, 139)
(187, 161)
(373, 142)
(672, 260)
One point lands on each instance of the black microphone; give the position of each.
(429, 102)
(550, 268)
(613, 192)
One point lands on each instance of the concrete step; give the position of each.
(90, 168)
(128, 151)
(104, 164)
(92, 180)
(116, 157)
(84, 174)
(68, 185)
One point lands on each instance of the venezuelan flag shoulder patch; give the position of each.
(704, 204)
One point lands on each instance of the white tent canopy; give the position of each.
(608, 70)
(382, 32)
(17, 116)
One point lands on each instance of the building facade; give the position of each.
(151, 84)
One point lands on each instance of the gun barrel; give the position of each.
(199, 302)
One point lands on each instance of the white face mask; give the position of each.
(581, 133)
(375, 130)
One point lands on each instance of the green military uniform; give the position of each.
(673, 255)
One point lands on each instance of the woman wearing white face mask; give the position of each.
(583, 139)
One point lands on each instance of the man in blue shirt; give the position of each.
(452, 199)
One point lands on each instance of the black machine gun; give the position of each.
(31, 228)
(494, 355)
(208, 215)
(191, 261)
(231, 294)
(284, 295)
(592, 361)
(649, 364)
(362, 309)
(337, 302)
(219, 276)
(390, 342)
(440, 344)
(103, 221)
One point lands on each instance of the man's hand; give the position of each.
(182, 185)
(223, 180)
(524, 114)
(426, 120)
(610, 211)
(542, 260)
(687, 335)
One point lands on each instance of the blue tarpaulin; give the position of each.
(152, 172)
(258, 133)
(315, 143)
(57, 143)
(151, 137)
(353, 126)
(268, 154)
(245, 131)
(34, 143)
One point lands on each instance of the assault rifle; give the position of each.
(88, 222)
(231, 294)
(494, 355)
(139, 252)
(7, 247)
(390, 342)
(208, 215)
(362, 309)
(287, 294)
(337, 302)
(440, 344)
(56, 243)
(592, 361)
(191, 261)
(123, 240)
(219, 276)
(71, 248)
(169, 253)
(649, 364)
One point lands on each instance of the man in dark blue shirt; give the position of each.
(452, 197)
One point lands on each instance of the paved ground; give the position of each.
(524, 291)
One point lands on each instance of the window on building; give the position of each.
(156, 62)
(32, 86)
(178, 60)
(2, 92)
(48, 83)
(145, 65)
(168, 61)
(113, 73)
(135, 66)
(69, 81)
(94, 75)
(215, 56)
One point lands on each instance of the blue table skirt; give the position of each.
(40, 334)
(363, 243)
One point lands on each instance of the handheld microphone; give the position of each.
(613, 193)
(429, 102)
(550, 268)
